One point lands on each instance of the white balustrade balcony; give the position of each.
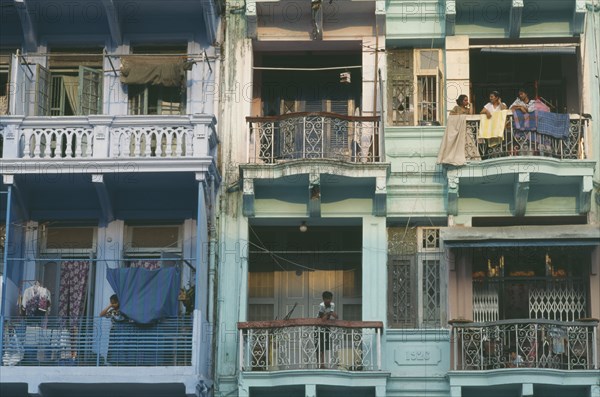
(305, 344)
(108, 137)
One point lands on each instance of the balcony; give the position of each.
(533, 143)
(96, 342)
(108, 137)
(319, 135)
(525, 343)
(310, 344)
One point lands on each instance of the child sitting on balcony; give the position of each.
(516, 360)
(326, 312)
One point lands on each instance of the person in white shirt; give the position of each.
(326, 312)
(523, 103)
(495, 104)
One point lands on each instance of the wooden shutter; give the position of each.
(42, 98)
(90, 91)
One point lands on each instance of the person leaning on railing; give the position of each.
(494, 105)
(523, 103)
(462, 106)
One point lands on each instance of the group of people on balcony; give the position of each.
(522, 103)
(533, 129)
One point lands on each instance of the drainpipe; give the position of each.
(5, 275)
(212, 265)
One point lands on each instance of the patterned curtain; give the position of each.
(146, 264)
(73, 287)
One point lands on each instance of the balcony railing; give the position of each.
(310, 344)
(89, 341)
(533, 143)
(90, 137)
(313, 136)
(525, 344)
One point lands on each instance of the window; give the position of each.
(415, 90)
(152, 247)
(415, 271)
(4, 82)
(71, 239)
(155, 99)
(149, 91)
(71, 85)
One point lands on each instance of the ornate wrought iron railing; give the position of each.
(317, 135)
(96, 341)
(310, 344)
(532, 143)
(525, 344)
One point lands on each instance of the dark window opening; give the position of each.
(552, 77)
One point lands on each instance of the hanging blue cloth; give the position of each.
(144, 295)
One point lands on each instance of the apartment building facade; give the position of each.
(109, 169)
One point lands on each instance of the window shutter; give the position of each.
(42, 98)
(90, 91)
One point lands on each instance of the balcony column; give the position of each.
(455, 391)
(201, 146)
(521, 193)
(11, 138)
(457, 68)
(374, 262)
(585, 194)
(248, 197)
(310, 391)
(453, 184)
(101, 142)
(526, 389)
(314, 195)
(380, 198)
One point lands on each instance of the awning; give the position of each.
(112, 389)
(524, 236)
(533, 50)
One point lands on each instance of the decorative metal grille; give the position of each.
(402, 241)
(401, 297)
(430, 239)
(400, 87)
(485, 302)
(431, 292)
(310, 347)
(526, 344)
(314, 136)
(532, 143)
(559, 301)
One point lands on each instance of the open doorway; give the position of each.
(548, 73)
(289, 269)
(309, 82)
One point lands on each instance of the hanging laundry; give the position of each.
(36, 300)
(492, 129)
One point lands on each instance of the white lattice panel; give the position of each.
(485, 303)
(561, 303)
